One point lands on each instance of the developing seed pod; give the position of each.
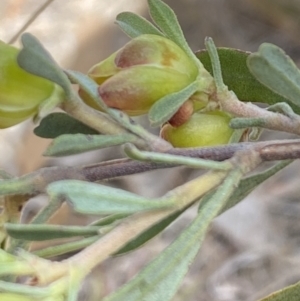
(20, 92)
(202, 129)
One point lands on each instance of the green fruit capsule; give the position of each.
(202, 129)
(21, 93)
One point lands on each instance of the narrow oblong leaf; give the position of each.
(65, 248)
(167, 106)
(149, 233)
(134, 25)
(56, 124)
(250, 183)
(247, 185)
(161, 278)
(216, 65)
(92, 198)
(35, 59)
(273, 68)
(290, 293)
(165, 18)
(107, 220)
(239, 79)
(35, 232)
(65, 145)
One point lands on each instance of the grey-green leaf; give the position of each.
(161, 278)
(35, 232)
(134, 25)
(238, 78)
(65, 145)
(247, 185)
(66, 247)
(149, 233)
(107, 220)
(35, 59)
(273, 68)
(250, 183)
(290, 293)
(167, 106)
(88, 85)
(92, 198)
(165, 18)
(56, 124)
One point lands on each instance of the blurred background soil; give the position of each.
(251, 250)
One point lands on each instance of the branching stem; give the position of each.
(266, 119)
(36, 182)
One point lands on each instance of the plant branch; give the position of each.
(134, 225)
(93, 118)
(184, 195)
(261, 117)
(36, 182)
(104, 124)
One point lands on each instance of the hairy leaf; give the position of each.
(35, 232)
(92, 198)
(107, 220)
(56, 124)
(65, 248)
(65, 145)
(239, 79)
(149, 233)
(134, 25)
(35, 59)
(167, 106)
(247, 185)
(161, 278)
(250, 183)
(273, 68)
(88, 85)
(165, 18)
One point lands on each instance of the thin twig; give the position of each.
(36, 182)
(191, 191)
(30, 21)
(258, 116)
(131, 227)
